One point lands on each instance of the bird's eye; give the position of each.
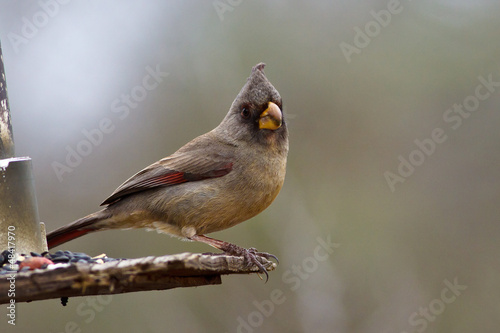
(245, 113)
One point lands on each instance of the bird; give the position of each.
(216, 181)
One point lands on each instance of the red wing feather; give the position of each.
(164, 180)
(160, 174)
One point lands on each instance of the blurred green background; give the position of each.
(360, 80)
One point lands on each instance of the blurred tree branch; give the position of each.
(129, 275)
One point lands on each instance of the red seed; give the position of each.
(35, 262)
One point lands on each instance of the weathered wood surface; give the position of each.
(129, 275)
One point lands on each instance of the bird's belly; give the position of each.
(206, 206)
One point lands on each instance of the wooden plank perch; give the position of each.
(124, 276)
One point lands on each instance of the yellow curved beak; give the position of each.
(271, 118)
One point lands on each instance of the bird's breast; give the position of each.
(216, 204)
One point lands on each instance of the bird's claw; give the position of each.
(251, 255)
(264, 254)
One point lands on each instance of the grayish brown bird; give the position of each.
(217, 180)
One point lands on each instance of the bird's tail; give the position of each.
(76, 229)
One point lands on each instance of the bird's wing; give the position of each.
(176, 169)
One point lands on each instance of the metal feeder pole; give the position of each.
(20, 228)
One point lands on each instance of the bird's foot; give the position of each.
(251, 255)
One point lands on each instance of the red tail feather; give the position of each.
(76, 229)
(59, 239)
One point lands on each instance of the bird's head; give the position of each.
(256, 114)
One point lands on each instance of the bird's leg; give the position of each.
(250, 255)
